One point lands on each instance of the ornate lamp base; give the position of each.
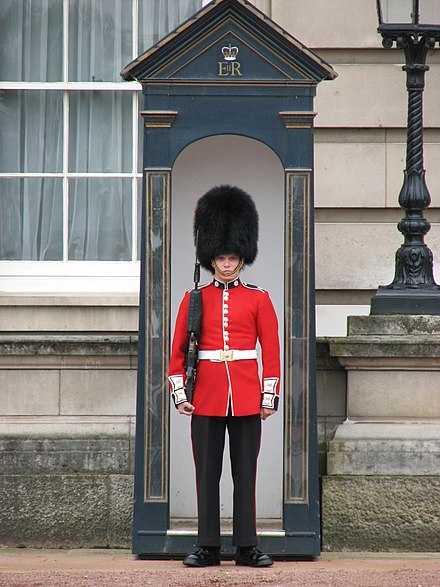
(394, 301)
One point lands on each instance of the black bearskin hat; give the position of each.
(226, 221)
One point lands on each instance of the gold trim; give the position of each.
(146, 113)
(306, 331)
(157, 379)
(302, 495)
(242, 83)
(298, 119)
(159, 118)
(157, 125)
(298, 114)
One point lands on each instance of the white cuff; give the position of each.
(269, 397)
(177, 389)
(268, 401)
(270, 385)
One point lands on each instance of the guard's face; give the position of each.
(227, 264)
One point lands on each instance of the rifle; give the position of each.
(193, 328)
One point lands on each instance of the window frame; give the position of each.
(73, 275)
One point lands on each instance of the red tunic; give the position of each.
(235, 315)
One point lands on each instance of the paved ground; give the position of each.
(118, 568)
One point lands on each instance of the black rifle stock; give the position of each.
(193, 328)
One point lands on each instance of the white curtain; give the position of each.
(100, 39)
(31, 130)
(100, 219)
(159, 17)
(31, 40)
(100, 44)
(31, 216)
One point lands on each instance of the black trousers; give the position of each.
(208, 441)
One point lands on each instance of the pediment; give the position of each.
(229, 40)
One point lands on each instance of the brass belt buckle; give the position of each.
(227, 355)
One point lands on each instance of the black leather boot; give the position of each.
(203, 556)
(252, 556)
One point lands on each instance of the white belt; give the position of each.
(229, 355)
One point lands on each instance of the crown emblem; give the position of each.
(230, 53)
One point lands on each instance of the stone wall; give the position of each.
(67, 437)
(381, 513)
(383, 462)
(67, 445)
(66, 440)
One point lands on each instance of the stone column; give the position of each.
(383, 482)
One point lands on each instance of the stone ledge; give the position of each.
(54, 456)
(69, 299)
(386, 346)
(391, 429)
(67, 426)
(396, 325)
(67, 344)
(385, 448)
(383, 341)
(67, 351)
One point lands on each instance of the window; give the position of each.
(70, 140)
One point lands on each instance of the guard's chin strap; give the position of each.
(232, 275)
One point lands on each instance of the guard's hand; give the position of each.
(185, 408)
(266, 412)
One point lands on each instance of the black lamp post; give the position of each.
(413, 290)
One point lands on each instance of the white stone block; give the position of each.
(349, 175)
(393, 393)
(355, 255)
(65, 318)
(98, 392)
(352, 100)
(29, 392)
(349, 23)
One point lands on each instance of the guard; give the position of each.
(229, 393)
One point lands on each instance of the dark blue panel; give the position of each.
(248, 111)
(231, 54)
